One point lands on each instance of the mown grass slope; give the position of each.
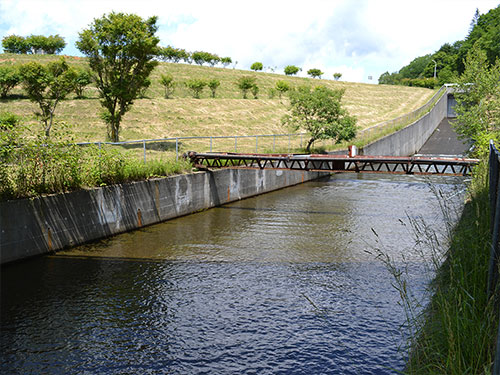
(153, 116)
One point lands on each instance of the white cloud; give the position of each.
(357, 38)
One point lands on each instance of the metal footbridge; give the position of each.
(336, 163)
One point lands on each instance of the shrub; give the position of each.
(213, 84)
(291, 70)
(167, 81)
(257, 66)
(282, 87)
(196, 86)
(9, 78)
(246, 83)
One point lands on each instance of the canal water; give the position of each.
(291, 282)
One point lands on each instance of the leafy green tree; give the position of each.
(226, 61)
(196, 86)
(282, 87)
(291, 70)
(213, 85)
(83, 78)
(167, 81)
(337, 76)
(320, 113)
(15, 44)
(389, 78)
(315, 73)
(478, 101)
(54, 44)
(200, 57)
(47, 85)
(257, 66)
(245, 84)
(121, 49)
(9, 78)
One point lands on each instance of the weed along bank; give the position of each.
(49, 223)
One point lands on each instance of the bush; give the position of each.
(167, 81)
(257, 66)
(82, 79)
(196, 86)
(291, 70)
(246, 83)
(9, 78)
(282, 87)
(213, 84)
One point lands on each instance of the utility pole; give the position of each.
(435, 66)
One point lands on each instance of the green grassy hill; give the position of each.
(228, 114)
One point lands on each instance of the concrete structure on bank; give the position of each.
(41, 225)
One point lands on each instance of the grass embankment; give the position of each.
(227, 115)
(35, 171)
(459, 331)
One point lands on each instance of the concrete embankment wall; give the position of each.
(36, 226)
(410, 139)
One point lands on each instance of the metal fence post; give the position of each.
(256, 144)
(274, 142)
(235, 143)
(144, 147)
(176, 149)
(289, 140)
(210, 143)
(495, 216)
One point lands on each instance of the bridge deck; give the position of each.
(336, 163)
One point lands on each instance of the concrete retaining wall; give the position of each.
(36, 226)
(410, 139)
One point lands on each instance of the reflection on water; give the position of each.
(279, 284)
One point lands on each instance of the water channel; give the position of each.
(284, 283)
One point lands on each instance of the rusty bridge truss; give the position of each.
(336, 163)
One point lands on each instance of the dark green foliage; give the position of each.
(319, 111)
(52, 44)
(291, 70)
(172, 54)
(200, 57)
(245, 84)
(415, 68)
(255, 91)
(83, 78)
(257, 66)
(15, 44)
(196, 86)
(46, 85)
(315, 73)
(9, 78)
(337, 76)
(121, 48)
(389, 78)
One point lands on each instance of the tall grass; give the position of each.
(459, 331)
(33, 166)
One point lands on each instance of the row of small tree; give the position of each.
(41, 44)
(291, 70)
(175, 55)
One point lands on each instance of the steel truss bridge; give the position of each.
(336, 163)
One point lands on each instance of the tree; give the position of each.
(320, 113)
(83, 78)
(315, 73)
(213, 84)
(257, 66)
(255, 91)
(167, 81)
(226, 61)
(15, 44)
(478, 100)
(282, 87)
(337, 76)
(47, 85)
(244, 84)
(121, 48)
(291, 70)
(200, 57)
(196, 86)
(9, 78)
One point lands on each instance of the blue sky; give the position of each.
(358, 38)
